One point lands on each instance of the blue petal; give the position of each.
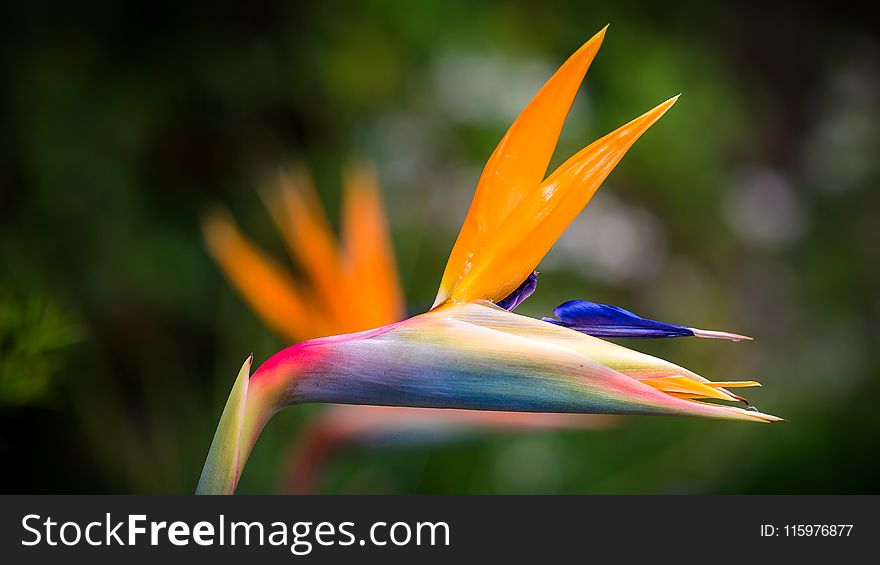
(602, 320)
(522, 292)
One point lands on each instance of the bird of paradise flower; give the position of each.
(351, 285)
(470, 351)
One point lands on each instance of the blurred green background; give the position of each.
(751, 207)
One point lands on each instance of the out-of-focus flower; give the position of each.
(467, 352)
(335, 294)
(344, 286)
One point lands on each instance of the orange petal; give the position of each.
(312, 243)
(529, 231)
(266, 286)
(374, 290)
(687, 388)
(519, 163)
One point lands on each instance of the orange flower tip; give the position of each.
(588, 50)
(685, 387)
(711, 334)
(217, 226)
(648, 118)
(694, 390)
(660, 109)
(593, 44)
(669, 103)
(213, 215)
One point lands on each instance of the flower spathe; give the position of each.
(479, 356)
(468, 356)
(468, 353)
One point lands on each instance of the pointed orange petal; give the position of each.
(536, 223)
(266, 286)
(687, 388)
(310, 239)
(519, 163)
(375, 290)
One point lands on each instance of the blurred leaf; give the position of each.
(33, 331)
